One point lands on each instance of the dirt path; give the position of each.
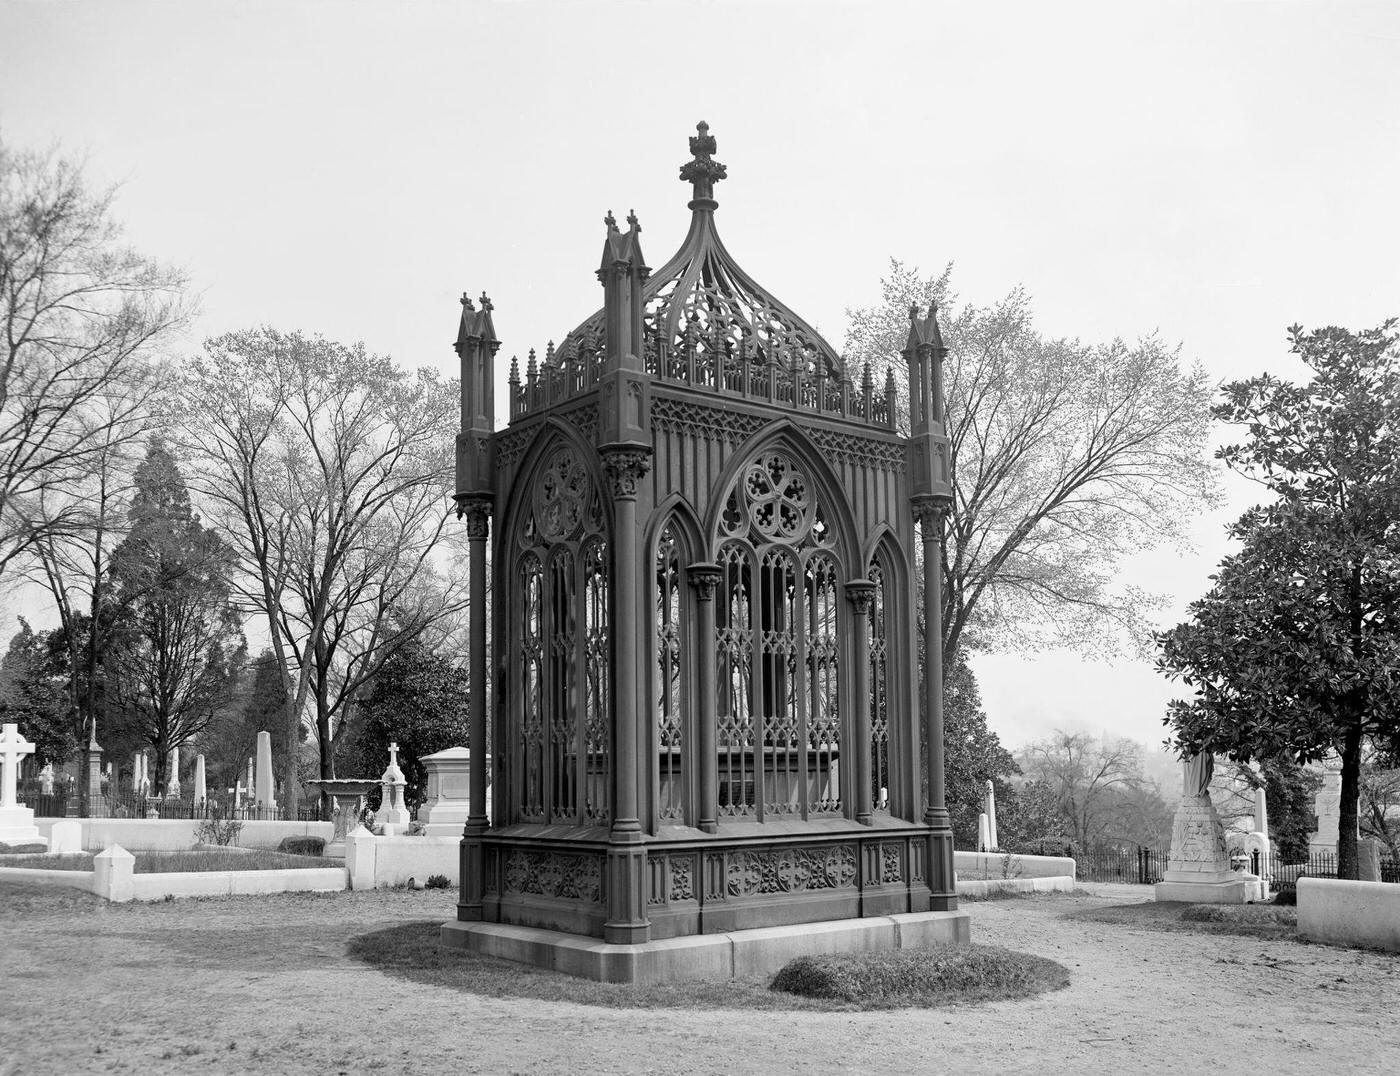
(265, 985)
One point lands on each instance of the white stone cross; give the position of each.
(13, 747)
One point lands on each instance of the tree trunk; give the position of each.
(1347, 866)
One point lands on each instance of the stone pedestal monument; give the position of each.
(393, 811)
(448, 802)
(1198, 866)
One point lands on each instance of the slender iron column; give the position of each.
(626, 895)
(930, 512)
(860, 593)
(704, 578)
(478, 517)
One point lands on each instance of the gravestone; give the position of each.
(1327, 804)
(984, 833)
(46, 780)
(993, 844)
(1198, 866)
(172, 774)
(200, 789)
(263, 790)
(1257, 847)
(16, 820)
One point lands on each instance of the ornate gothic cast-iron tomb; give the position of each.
(709, 749)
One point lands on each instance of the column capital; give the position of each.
(929, 514)
(625, 466)
(861, 594)
(477, 512)
(704, 577)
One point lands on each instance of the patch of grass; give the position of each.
(22, 849)
(1267, 921)
(1241, 914)
(413, 951)
(181, 862)
(924, 978)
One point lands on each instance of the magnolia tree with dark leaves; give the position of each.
(1295, 649)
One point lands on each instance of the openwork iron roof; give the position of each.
(703, 300)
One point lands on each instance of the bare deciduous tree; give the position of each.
(330, 469)
(82, 317)
(1097, 788)
(1066, 457)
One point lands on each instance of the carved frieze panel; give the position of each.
(554, 874)
(791, 870)
(710, 423)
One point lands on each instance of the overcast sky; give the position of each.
(1209, 172)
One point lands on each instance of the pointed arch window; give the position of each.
(669, 612)
(879, 689)
(561, 758)
(777, 642)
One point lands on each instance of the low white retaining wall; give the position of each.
(994, 865)
(382, 862)
(113, 877)
(175, 834)
(55, 879)
(1020, 886)
(1349, 913)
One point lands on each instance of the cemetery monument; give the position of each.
(705, 711)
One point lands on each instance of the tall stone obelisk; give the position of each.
(262, 790)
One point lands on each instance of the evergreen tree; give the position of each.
(418, 699)
(1293, 649)
(175, 658)
(973, 755)
(32, 696)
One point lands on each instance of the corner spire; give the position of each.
(703, 171)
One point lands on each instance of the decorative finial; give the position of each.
(632, 220)
(703, 171)
(515, 369)
(610, 221)
(486, 306)
(467, 301)
(531, 366)
(913, 311)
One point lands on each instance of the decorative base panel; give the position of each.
(738, 954)
(1242, 890)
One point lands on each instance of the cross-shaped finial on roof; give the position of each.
(610, 221)
(703, 171)
(467, 301)
(632, 220)
(486, 306)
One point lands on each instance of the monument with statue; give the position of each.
(707, 711)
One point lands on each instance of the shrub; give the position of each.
(436, 881)
(22, 849)
(216, 829)
(938, 975)
(303, 846)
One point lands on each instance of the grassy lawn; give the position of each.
(934, 977)
(177, 861)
